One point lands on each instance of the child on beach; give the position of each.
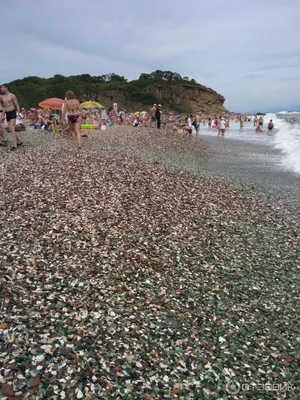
(187, 128)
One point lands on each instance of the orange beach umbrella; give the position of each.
(53, 103)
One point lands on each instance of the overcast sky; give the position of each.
(247, 50)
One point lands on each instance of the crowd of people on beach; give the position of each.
(73, 118)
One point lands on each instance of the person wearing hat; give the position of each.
(152, 115)
(158, 116)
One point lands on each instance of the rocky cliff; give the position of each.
(175, 97)
(190, 98)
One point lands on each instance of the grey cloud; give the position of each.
(249, 52)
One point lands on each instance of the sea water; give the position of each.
(287, 138)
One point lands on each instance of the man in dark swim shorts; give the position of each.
(11, 115)
(12, 109)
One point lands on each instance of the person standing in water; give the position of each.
(197, 125)
(73, 108)
(222, 127)
(270, 127)
(12, 110)
(241, 125)
(217, 125)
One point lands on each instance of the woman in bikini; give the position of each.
(73, 108)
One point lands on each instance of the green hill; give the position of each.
(174, 92)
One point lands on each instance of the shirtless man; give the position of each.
(270, 127)
(12, 110)
(152, 115)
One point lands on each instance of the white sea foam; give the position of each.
(287, 139)
(288, 112)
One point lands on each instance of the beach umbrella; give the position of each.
(53, 103)
(91, 104)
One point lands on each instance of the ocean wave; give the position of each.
(289, 112)
(287, 139)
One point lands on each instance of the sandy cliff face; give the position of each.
(191, 98)
(185, 97)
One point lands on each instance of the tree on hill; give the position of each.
(165, 76)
